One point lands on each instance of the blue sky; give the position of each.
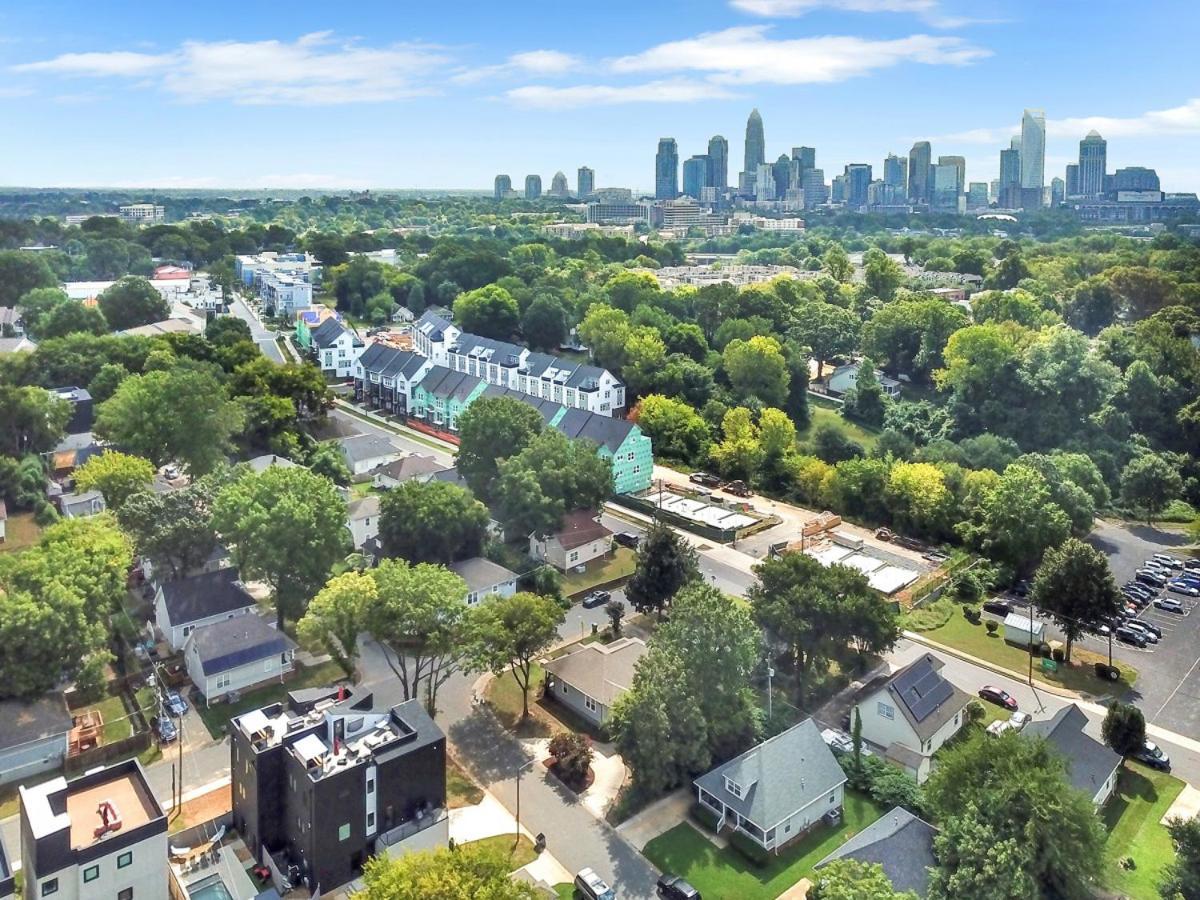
(404, 94)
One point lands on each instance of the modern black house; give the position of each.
(325, 781)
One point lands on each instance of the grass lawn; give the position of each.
(505, 696)
(726, 873)
(601, 571)
(20, 532)
(520, 855)
(460, 789)
(117, 724)
(1132, 819)
(564, 891)
(217, 716)
(820, 414)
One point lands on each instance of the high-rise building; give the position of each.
(858, 180)
(718, 162)
(533, 187)
(803, 159)
(764, 182)
(503, 186)
(919, 159)
(816, 192)
(1033, 149)
(1093, 163)
(1009, 193)
(837, 189)
(1058, 191)
(756, 145)
(666, 170)
(585, 182)
(995, 191)
(1073, 180)
(977, 195)
(695, 175)
(1135, 178)
(960, 165)
(895, 171)
(559, 186)
(782, 172)
(946, 196)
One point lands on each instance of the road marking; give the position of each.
(1176, 691)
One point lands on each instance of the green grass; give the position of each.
(564, 891)
(117, 724)
(819, 415)
(522, 854)
(217, 716)
(505, 696)
(20, 531)
(604, 570)
(721, 873)
(1131, 817)
(931, 616)
(460, 789)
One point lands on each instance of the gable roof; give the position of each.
(409, 467)
(579, 528)
(605, 431)
(927, 700)
(447, 384)
(1089, 762)
(601, 671)
(548, 408)
(780, 776)
(363, 507)
(433, 323)
(358, 447)
(230, 643)
(901, 843)
(208, 594)
(488, 350)
(327, 333)
(481, 574)
(38, 718)
(387, 361)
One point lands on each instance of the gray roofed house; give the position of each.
(266, 461)
(548, 408)
(22, 344)
(34, 736)
(80, 506)
(237, 653)
(1092, 766)
(183, 605)
(413, 467)
(843, 379)
(591, 677)
(604, 431)
(364, 452)
(447, 384)
(485, 578)
(327, 333)
(777, 791)
(900, 843)
(362, 518)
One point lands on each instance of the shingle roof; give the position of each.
(548, 408)
(327, 333)
(489, 350)
(605, 431)
(447, 384)
(358, 447)
(579, 528)
(602, 672)
(230, 643)
(409, 467)
(900, 843)
(481, 574)
(201, 596)
(31, 720)
(1089, 762)
(780, 776)
(432, 324)
(363, 508)
(927, 700)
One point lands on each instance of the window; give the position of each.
(832, 797)
(91, 873)
(574, 556)
(125, 859)
(50, 886)
(886, 711)
(223, 681)
(733, 787)
(126, 894)
(371, 786)
(370, 820)
(344, 832)
(589, 703)
(565, 689)
(268, 664)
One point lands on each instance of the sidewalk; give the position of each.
(657, 818)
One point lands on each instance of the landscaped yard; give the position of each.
(825, 413)
(520, 855)
(604, 570)
(504, 694)
(726, 873)
(1132, 818)
(460, 789)
(217, 716)
(20, 532)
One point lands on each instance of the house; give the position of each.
(260, 464)
(1024, 630)
(34, 737)
(363, 520)
(8, 884)
(99, 835)
(619, 441)
(82, 414)
(384, 377)
(236, 653)
(337, 348)
(12, 324)
(1092, 766)
(443, 395)
(332, 778)
(81, 506)
(580, 539)
(777, 791)
(900, 843)
(412, 467)
(591, 677)
(21, 344)
(183, 605)
(364, 452)
(485, 579)
(913, 713)
(843, 379)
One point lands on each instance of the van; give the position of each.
(591, 886)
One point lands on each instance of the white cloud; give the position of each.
(780, 8)
(314, 69)
(545, 63)
(747, 55)
(1182, 119)
(672, 91)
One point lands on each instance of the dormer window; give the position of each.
(733, 787)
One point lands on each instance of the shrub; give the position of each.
(572, 756)
(992, 626)
(974, 712)
(752, 851)
(90, 680)
(704, 816)
(971, 614)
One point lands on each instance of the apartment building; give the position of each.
(283, 280)
(143, 213)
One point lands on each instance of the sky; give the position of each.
(403, 94)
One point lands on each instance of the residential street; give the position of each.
(261, 335)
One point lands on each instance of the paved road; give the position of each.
(401, 440)
(264, 337)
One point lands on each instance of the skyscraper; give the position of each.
(718, 162)
(977, 195)
(1058, 191)
(946, 196)
(1093, 163)
(695, 175)
(666, 170)
(858, 180)
(919, 159)
(1009, 195)
(764, 182)
(585, 181)
(895, 171)
(782, 170)
(1072, 180)
(816, 192)
(558, 186)
(1033, 149)
(533, 187)
(960, 165)
(756, 145)
(803, 159)
(503, 186)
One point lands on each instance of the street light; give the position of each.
(520, 769)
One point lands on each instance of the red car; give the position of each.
(993, 694)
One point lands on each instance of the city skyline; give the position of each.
(359, 98)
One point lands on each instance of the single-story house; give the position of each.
(362, 517)
(913, 713)
(237, 653)
(591, 677)
(364, 452)
(485, 579)
(579, 539)
(80, 506)
(183, 605)
(1024, 630)
(1092, 766)
(413, 467)
(900, 843)
(843, 379)
(34, 737)
(777, 791)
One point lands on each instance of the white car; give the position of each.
(1169, 604)
(840, 742)
(1019, 720)
(1165, 559)
(999, 727)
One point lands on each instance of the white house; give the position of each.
(1092, 766)
(337, 347)
(485, 579)
(362, 517)
(580, 539)
(183, 605)
(413, 467)
(364, 452)
(843, 379)
(1024, 630)
(913, 714)
(237, 653)
(81, 506)
(591, 677)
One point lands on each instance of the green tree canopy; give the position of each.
(757, 368)
(489, 311)
(666, 563)
(1075, 585)
(432, 521)
(458, 873)
(510, 633)
(132, 301)
(552, 476)
(32, 420)
(1148, 483)
(115, 475)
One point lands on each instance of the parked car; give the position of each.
(1149, 626)
(738, 489)
(628, 539)
(1179, 586)
(1171, 562)
(997, 607)
(166, 729)
(1136, 625)
(1169, 604)
(1137, 590)
(672, 887)
(175, 704)
(1192, 565)
(1151, 755)
(998, 727)
(838, 741)
(592, 887)
(1149, 576)
(1127, 635)
(1020, 720)
(999, 696)
(1022, 587)
(596, 598)
(704, 478)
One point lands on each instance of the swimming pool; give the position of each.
(210, 888)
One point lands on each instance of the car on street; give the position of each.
(672, 887)
(1169, 604)
(999, 696)
(738, 489)
(166, 729)
(1152, 755)
(596, 598)
(997, 607)
(175, 704)
(628, 539)
(1127, 635)
(591, 886)
(1180, 586)
(704, 478)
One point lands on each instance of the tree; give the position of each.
(1018, 519)
(106, 381)
(180, 415)
(974, 860)
(545, 323)
(32, 420)
(549, 478)
(174, 529)
(881, 274)
(225, 331)
(866, 401)
(1075, 585)
(605, 330)
(490, 430)
(756, 368)
(115, 475)
(572, 754)
(837, 263)
(70, 317)
(856, 738)
(337, 615)
(132, 301)
(287, 527)
(512, 632)
(432, 521)
(917, 496)
(21, 273)
(326, 459)
(739, 454)
(1181, 878)
(490, 311)
(828, 331)
(675, 428)
(645, 358)
(833, 445)
(457, 873)
(666, 562)
(910, 336)
(1149, 483)
(1124, 728)
(615, 610)
(852, 879)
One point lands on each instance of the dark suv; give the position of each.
(596, 598)
(672, 887)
